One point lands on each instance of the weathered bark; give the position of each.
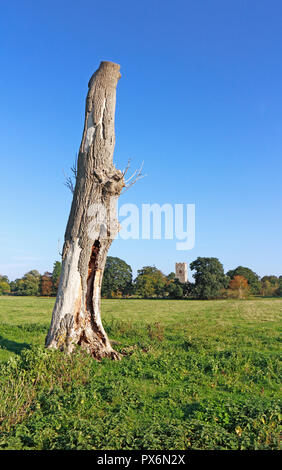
(91, 227)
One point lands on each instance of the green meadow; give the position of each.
(195, 375)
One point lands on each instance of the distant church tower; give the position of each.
(181, 272)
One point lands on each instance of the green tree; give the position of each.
(28, 285)
(279, 289)
(117, 279)
(150, 282)
(210, 280)
(274, 280)
(175, 290)
(189, 290)
(269, 286)
(4, 285)
(251, 276)
(57, 269)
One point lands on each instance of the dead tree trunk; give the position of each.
(91, 227)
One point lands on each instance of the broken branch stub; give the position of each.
(76, 317)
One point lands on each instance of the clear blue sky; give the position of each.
(200, 101)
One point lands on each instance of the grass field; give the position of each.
(196, 375)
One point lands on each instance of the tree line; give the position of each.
(210, 282)
(33, 283)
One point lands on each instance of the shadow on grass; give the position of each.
(13, 346)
